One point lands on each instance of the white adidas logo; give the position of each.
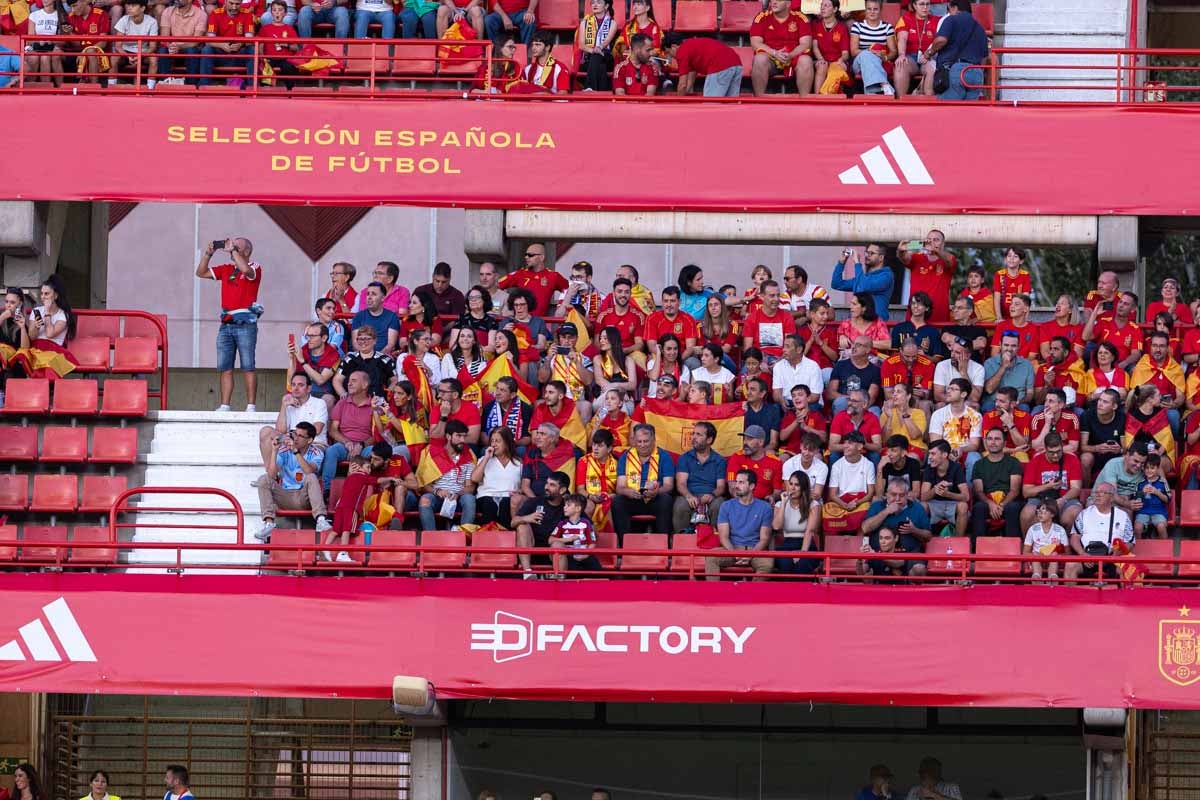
(880, 169)
(37, 640)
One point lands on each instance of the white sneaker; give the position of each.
(224, 407)
(325, 555)
(888, 90)
(264, 533)
(323, 524)
(344, 558)
(151, 83)
(250, 408)
(529, 575)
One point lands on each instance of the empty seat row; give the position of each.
(32, 547)
(65, 445)
(129, 355)
(109, 326)
(81, 397)
(60, 494)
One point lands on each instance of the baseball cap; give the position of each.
(568, 329)
(755, 432)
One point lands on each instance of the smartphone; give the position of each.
(562, 350)
(1107, 305)
(218, 244)
(292, 341)
(866, 541)
(914, 245)
(37, 314)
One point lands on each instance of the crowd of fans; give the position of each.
(936, 424)
(818, 52)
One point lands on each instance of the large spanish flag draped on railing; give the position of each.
(674, 421)
(481, 390)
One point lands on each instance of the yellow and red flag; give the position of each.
(674, 421)
(436, 462)
(480, 390)
(414, 371)
(575, 318)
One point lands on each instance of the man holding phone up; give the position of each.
(566, 364)
(238, 334)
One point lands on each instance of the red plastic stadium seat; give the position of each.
(493, 561)
(75, 397)
(630, 559)
(8, 538)
(891, 13)
(842, 544)
(18, 443)
(443, 562)
(55, 493)
(92, 534)
(415, 61)
(1189, 508)
(359, 58)
(292, 559)
(106, 326)
(939, 547)
(405, 560)
(27, 396)
(125, 398)
(1146, 549)
(32, 538)
(63, 445)
(696, 16)
(985, 15)
(686, 541)
(565, 55)
(99, 492)
(558, 15)
(737, 15)
(134, 354)
(144, 328)
(1189, 549)
(14, 492)
(747, 57)
(91, 352)
(335, 492)
(606, 539)
(998, 546)
(114, 445)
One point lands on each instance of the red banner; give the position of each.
(947, 158)
(619, 641)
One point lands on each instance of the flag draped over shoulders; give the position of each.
(674, 420)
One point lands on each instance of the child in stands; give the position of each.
(575, 532)
(1045, 538)
(1156, 498)
(361, 479)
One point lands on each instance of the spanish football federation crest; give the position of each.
(1177, 657)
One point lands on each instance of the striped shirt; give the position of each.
(868, 36)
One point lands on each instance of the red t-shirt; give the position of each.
(542, 284)
(1067, 426)
(95, 24)
(1093, 298)
(237, 290)
(1021, 423)
(1028, 334)
(221, 23)
(830, 43)
(829, 336)
(684, 326)
(630, 324)
(780, 34)
(1007, 286)
(705, 56)
(918, 376)
(1191, 341)
(1182, 313)
(843, 424)
(815, 420)
(277, 30)
(1048, 330)
(933, 276)
(920, 34)
(467, 414)
(634, 79)
(1062, 375)
(328, 359)
(768, 470)
(1125, 339)
(1039, 470)
(767, 332)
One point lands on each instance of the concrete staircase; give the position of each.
(199, 448)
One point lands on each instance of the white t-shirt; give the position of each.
(499, 480)
(685, 376)
(942, 416)
(945, 372)
(852, 478)
(1092, 526)
(51, 320)
(784, 376)
(723, 376)
(435, 368)
(127, 27)
(817, 472)
(1042, 541)
(313, 411)
(45, 23)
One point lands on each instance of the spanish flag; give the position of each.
(1157, 429)
(480, 390)
(436, 462)
(576, 319)
(674, 420)
(378, 510)
(414, 371)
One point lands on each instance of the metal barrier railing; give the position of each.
(1123, 72)
(163, 371)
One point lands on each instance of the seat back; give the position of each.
(985, 15)
(738, 15)
(1189, 508)
(1189, 549)
(99, 492)
(91, 352)
(1146, 549)
(114, 445)
(696, 16)
(55, 493)
(135, 354)
(144, 328)
(14, 492)
(18, 443)
(33, 538)
(940, 548)
(76, 397)
(27, 396)
(632, 560)
(92, 534)
(61, 444)
(842, 544)
(125, 398)
(415, 61)
(362, 57)
(443, 562)
(606, 539)
(89, 325)
(400, 560)
(891, 13)
(998, 546)
(686, 541)
(291, 559)
(8, 539)
(493, 560)
(558, 15)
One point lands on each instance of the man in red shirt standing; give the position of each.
(932, 271)
(781, 40)
(716, 62)
(542, 283)
(230, 21)
(240, 311)
(636, 77)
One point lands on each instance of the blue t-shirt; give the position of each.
(290, 474)
(1150, 503)
(745, 521)
(844, 370)
(929, 338)
(666, 467)
(694, 304)
(914, 513)
(702, 478)
(386, 321)
(770, 417)
(966, 40)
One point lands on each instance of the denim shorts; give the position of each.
(239, 338)
(1149, 519)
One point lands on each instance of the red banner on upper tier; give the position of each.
(947, 158)
(618, 641)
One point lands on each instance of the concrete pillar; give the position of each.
(98, 274)
(1117, 243)
(428, 764)
(31, 237)
(483, 236)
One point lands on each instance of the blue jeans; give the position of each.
(868, 65)
(364, 18)
(244, 60)
(333, 454)
(430, 504)
(409, 20)
(494, 25)
(726, 83)
(192, 65)
(288, 19)
(797, 566)
(959, 92)
(239, 339)
(338, 15)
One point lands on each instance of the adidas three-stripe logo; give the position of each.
(37, 639)
(880, 169)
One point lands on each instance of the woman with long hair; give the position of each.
(1164, 322)
(613, 369)
(667, 363)
(53, 320)
(422, 314)
(900, 414)
(717, 327)
(1063, 324)
(863, 321)
(714, 373)
(402, 415)
(465, 359)
(1105, 373)
(420, 367)
(798, 518)
(497, 476)
(594, 42)
(99, 787)
(612, 416)
(48, 327)
(641, 21)
(1172, 302)
(27, 785)
(14, 336)
(693, 297)
(478, 317)
(505, 70)
(1146, 420)
(507, 347)
(45, 57)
